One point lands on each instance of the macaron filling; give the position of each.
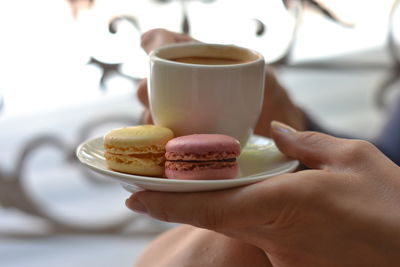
(198, 165)
(202, 157)
(210, 156)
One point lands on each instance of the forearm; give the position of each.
(191, 246)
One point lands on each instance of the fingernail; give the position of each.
(135, 205)
(282, 128)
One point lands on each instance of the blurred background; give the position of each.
(69, 70)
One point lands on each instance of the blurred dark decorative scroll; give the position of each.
(294, 7)
(393, 48)
(391, 44)
(15, 193)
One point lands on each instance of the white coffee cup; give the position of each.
(194, 98)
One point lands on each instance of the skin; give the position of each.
(343, 211)
(191, 246)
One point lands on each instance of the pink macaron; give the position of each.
(202, 157)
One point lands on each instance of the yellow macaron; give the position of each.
(137, 150)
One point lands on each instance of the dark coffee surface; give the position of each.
(208, 60)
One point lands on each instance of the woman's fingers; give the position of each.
(233, 208)
(151, 40)
(320, 151)
(156, 38)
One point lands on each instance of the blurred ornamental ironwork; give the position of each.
(393, 48)
(319, 8)
(294, 7)
(15, 192)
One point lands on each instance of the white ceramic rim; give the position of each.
(155, 57)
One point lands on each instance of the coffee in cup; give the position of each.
(208, 60)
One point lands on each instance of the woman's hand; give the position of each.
(151, 40)
(276, 105)
(344, 212)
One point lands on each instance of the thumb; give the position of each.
(215, 210)
(313, 149)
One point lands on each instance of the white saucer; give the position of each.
(259, 160)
